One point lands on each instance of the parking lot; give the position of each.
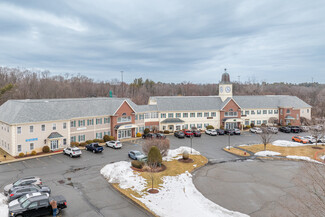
(88, 193)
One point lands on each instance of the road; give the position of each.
(88, 193)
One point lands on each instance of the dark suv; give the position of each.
(149, 136)
(22, 190)
(196, 133)
(285, 129)
(295, 129)
(179, 134)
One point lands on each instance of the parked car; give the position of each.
(310, 139)
(256, 130)
(220, 132)
(114, 144)
(160, 136)
(229, 131)
(322, 140)
(149, 136)
(304, 128)
(25, 197)
(272, 130)
(21, 182)
(299, 139)
(72, 151)
(285, 129)
(179, 134)
(188, 133)
(137, 155)
(37, 206)
(237, 131)
(20, 191)
(294, 129)
(196, 133)
(94, 147)
(213, 133)
(207, 131)
(316, 127)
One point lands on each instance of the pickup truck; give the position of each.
(37, 206)
(94, 147)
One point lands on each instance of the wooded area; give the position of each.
(16, 83)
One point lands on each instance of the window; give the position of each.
(107, 120)
(18, 130)
(163, 115)
(206, 114)
(73, 124)
(231, 113)
(99, 136)
(264, 112)
(154, 114)
(54, 127)
(259, 112)
(192, 125)
(32, 205)
(31, 129)
(81, 138)
(19, 148)
(64, 141)
(252, 122)
(90, 122)
(64, 125)
(247, 113)
(43, 203)
(199, 115)
(246, 123)
(205, 125)
(185, 115)
(213, 114)
(123, 119)
(307, 110)
(178, 115)
(141, 117)
(259, 122)
(270, 112)
(81, 123)
(164, 127)
(170, 115)
(43, 127)
(146, 115)
(288, 111)
(199, 126)
(264, 121)
(297, 116)
(99, 121)
(185, 126)
(73, 139)
(276, 111)
(136, 117)
(109, 133)
(31, 146)
(253, 112)
(281, 111)
(192, 115)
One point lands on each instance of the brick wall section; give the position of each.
(230, 105)
(125, 108)
(293, 113)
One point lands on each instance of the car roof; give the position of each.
(26, 178)
(75, 148)
(37, 198)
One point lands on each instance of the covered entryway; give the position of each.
(125, 131)
(232, 123)
(173, 123)
(54, 140)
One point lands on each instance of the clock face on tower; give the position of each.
(228, 89)
(221, 89)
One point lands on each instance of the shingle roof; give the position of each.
(27, 111)
(54, 135)
(146, 108)
(172, 120)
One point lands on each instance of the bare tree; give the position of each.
(152, 174)
(273, 120)
(317, 131)
(266, 137)
(162, 144)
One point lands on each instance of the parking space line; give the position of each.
(56, 159)
(11, 166)
(26, 164)
(41, 161)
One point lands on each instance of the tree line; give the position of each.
(16, 83)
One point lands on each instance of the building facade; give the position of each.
(28, 125)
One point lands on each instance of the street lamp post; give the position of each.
(191, 143)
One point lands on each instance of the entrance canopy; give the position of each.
(172, 121)
(288, 117)
(229, 120)
(54, 135)
(125, 126)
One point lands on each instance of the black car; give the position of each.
(285, 129)
(37, 206)
(230, 131)
(149, 136)
(196, 133)
(179, 134)
(22, 190)
(220, 132)
(295, 129)
(160, 136)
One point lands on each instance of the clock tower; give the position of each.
(225, 87)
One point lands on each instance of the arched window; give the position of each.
(123, 114)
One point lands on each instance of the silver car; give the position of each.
(273, 130)
(114, 144)
(21, 182)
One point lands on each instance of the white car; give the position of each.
(256, 130)
(322, 140)
(114, 144)
(207, 131)
(304, 128)
(273, 130)
(72, 151)
(213, 133)
(311, 139)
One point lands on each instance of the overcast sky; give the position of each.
(169, 41)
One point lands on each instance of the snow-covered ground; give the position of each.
(285, 143)
(302, 158)
(177, 195)
(175, 154)
(267, 153)
(3, 206)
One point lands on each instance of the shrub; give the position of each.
(166, 131)
(89, 141)
(210, 127)
(21, 154)
(252, 125)
(96, 140)
(222, 127)
(106, 138)
(248, 127)
(263, 125)
(101, 141)
(162, 144)
(137, 164)
(289, 124)
(33, 153)
(186, 155)
(46, 149)
(139, 135)
(82, 144)
(146, 131)
(76, 144)
(154, 156)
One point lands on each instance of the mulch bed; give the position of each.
(317, 147)
(186, 161)
(153, 191)
(157, 170)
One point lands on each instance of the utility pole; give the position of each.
(122, 83)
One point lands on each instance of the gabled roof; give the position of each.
(39, 110)
(54, 135)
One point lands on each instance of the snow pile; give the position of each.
(267, 153)
(121, 172)
(175, 154)
(229, 147)
(322, 157)
(179, 197)
(285, 143)
(3, 205)
(302, 158)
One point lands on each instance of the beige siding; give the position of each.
(5, 137)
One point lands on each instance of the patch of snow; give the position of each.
(302, 158)
(174, 154)
(245, 145)
(267, 153)
(322, 157)
(228, 147)
(179, 197)
(194, 165)
(121, 172)
(285, 143)
(3, 205)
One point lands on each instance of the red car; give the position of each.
(188, 133)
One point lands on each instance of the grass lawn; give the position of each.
(307, 150)
(236, 152)
(2, 153)
(174, 168)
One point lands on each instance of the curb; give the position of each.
(29, 158)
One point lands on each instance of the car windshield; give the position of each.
(22, 199)
(25, 204)
(118, 143)
(18, 182)
(137, 153)
(96, 145)
(187, 131)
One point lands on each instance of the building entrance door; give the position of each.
(54, 144)
(123, 134)
(231, 125)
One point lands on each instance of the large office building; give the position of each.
(27, 125)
